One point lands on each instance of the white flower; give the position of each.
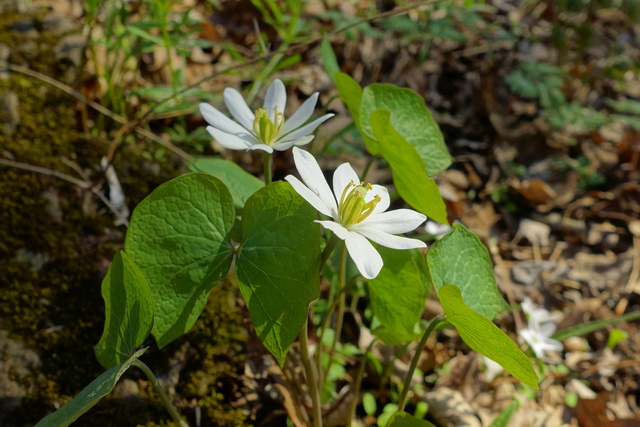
(541, 328)
(357, 210)
(435, 228)
(266, 129)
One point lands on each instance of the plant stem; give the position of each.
(414, 361)
(163, 396)
(358, 381)
(368, 166)
(328, 249)
(339, 313)
(266, 161)
(311, 376)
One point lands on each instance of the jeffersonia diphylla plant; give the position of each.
(277, 239)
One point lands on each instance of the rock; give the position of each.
(5, 53)
(18, 363)
(26, 27)
(10, 5)
(56, 23)
(69, 53)
(449, 408)
(9, 112)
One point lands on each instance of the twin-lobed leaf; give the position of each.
(128, 311)
(178, 237)
(278, 264)
(410, 118)
(89, 396)
(240, 183)
(409, 173)
(396, 124)
(460, 259)
(483, 336)
(398, 294)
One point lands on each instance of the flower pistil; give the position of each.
(266, 129)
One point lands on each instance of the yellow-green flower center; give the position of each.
(353, 208)
(266, 130)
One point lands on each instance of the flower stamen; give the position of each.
(265, 129)
(352, 207)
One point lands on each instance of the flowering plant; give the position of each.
(221, 223)
(265, 129)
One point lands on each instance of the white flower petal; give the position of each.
(313, 177)
(527, 305)
(436, 228)
(304, 140)
(336, 228)
(386, 239)
(263, 147)
(230, 141)
(364, 255)
(551, 344)
(284, 145)
(276, 97)
(395, 222)
(307, 129)
(218, 120)
(385, 200)
(238, 108)
(311, 197)
(545, 329)
(342, 177)
(301, 115)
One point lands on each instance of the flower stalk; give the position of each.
(414, 361)
(312, 382)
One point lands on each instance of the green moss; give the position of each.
(56, 241)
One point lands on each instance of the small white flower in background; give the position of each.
(493, 368)
(541, 327)
(357, 210)
(436, 228)
(265, 129)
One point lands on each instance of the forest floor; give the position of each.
(539, 105)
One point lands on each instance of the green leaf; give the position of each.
(178, 238)
(403, 419)
(398, 294)
(351, 93)
(409, 173)
(240, 183)
(89, 396)
(128, 310)
(329, 59)
(503, 418)
(483, 336)
(278, 264)
(460, 258)
(411, 118)
(596, 325)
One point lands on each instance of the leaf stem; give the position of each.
(312, 383)
(266, 161)
(414, 361)
(368, 166)
(163, 396)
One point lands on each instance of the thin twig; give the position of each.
(85, 185)
(135, 125)
(290, 50)
(45, 171)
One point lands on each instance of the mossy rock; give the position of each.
(56, 242)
